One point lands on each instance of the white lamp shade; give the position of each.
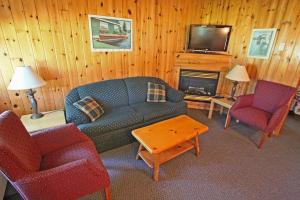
(25, 78)
(238, 73)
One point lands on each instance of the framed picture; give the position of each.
(110, 33)
(261, 43)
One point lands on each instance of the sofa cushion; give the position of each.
(114, 119)
(110, 93)
(252, 116)
(156, 92)
(151, 110)
(90, 107)
(137, 88)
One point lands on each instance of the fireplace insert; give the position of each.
(198, 85)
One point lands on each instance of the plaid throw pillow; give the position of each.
(156, 92)
(90, 107)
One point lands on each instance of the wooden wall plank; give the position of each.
(53, 37)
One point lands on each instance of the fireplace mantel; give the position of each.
(207, 62)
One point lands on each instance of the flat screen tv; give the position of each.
(206, 38)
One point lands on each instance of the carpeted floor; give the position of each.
(229, 167)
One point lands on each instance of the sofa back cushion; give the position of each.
(110, 94)
(269, 96)
(19, 155)
(138, 86)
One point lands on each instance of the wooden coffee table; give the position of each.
(167, 139)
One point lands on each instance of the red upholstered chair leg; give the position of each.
(263, 140)
(107, 193)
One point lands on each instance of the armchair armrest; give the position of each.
(69, 181)
(242, 101)
(52, 139)
(174, 95)
(276, 118)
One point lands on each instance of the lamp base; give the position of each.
(36, 115)
(233, 89)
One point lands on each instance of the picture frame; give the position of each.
(261, 43)
(110, 33)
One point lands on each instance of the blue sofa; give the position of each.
(125, 106)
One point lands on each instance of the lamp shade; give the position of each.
(238, 73)
(25, 78)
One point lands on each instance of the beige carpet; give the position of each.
(230, 167)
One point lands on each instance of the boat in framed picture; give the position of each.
(110, 33)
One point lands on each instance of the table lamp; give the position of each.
(236, 75)
(25, 78)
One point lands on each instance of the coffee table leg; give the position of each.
(156, 167)
(140, 149)
(197, 147)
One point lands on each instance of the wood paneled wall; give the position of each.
(283, 66)
(52, 36)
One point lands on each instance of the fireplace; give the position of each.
(198, 85)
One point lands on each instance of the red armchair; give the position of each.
(266, 109)
(57, 163)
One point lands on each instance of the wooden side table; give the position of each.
(50, 119)
(223, 102)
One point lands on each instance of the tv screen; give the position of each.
(208, 37)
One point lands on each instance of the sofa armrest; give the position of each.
(68, 181)
(174, 95)
(52, 139)
(276, 118)
(73, 114)
(243, 101)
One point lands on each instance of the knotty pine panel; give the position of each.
(282, 66)
(52, 36)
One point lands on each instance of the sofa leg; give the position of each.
(107, 193)
(263, 140)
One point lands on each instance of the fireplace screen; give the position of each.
(198, 85)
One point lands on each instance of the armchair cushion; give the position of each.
(69, 181)
(252, 116)
(52, 139)
(74, 152)
(243, 101)
(269, 96)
